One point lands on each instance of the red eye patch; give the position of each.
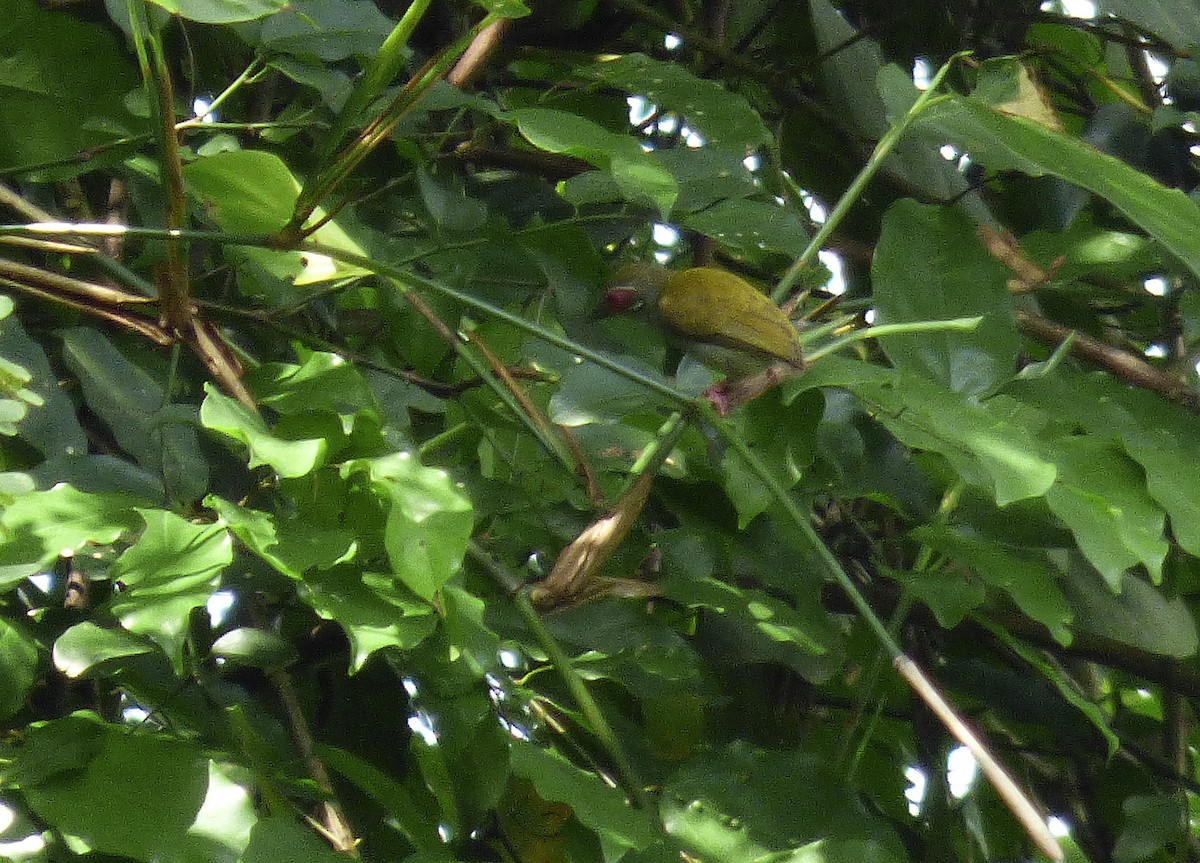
(619, 300)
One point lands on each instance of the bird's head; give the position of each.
(634, 288)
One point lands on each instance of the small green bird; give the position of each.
(719, 318)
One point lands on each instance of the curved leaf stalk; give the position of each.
(1014, 798)
(882, 150)
(514, 585)
(171, 276)
(336, 169)
(492, 372)
(384, 66)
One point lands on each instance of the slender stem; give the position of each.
(882, 150)
(514, 584)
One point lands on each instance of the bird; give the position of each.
(718, 317)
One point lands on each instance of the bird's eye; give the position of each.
(620, 300)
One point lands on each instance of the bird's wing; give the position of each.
(749, 320)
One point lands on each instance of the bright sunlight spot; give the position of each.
(914, 793)
(961, 771)
(692, 138)
(510, 658)
(948, 153)
(834, 263)
(135, 715)
(665, 235)
(671, 41)
(816, 210)
(421, 724)
(922, 73)
(218, 606)
(1156, 286)
(752, 162)
(7, 817)
(869, 316)
(1158, 69)
(43, 581)
(640, 109)
(27, 847)
(1058, 827)
(200, 109)
(1073, 8)
(668, 123)
(1156, 352)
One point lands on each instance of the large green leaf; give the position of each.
(161, 437)
(1024, 574)
(156, 784)
(989, 445)
(598, 805)
(637, 173)
(221, 11)
(428, 523)
(18, 667)
(1004, 141)
(1160, 436)
(292, 546)
(929, 265)
(289, 458)
(86, 645)
(55, 106)
(43, 524)
(374, 610)
(744, 804)
(1102, 497)
(725, 120)
(173, 567)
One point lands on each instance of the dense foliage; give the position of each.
(336, 522)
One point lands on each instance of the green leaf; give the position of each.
(162, 438)
(1151, 824)
(64, 520)
(1006, 142)
(387, 792)
(929, 265)
(281, 837)
(373, 609)
(253, 647)
(45, 92)
(752, 226)
(744, 804)
(254, 192)
(331, 30)
(639, 175)
(18, 667)
(786, 455)
(291, 546)
(221, 11)
(596, 804)
(86, 645)
(1139, 615)
(1160, 436)
(428, 523)
(1102, 497)
(1025, 575)
(51, 425)
(988, 445)
(949, 595)
(725, 120)
(158, 786)
(173, 567)
(289, 458)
